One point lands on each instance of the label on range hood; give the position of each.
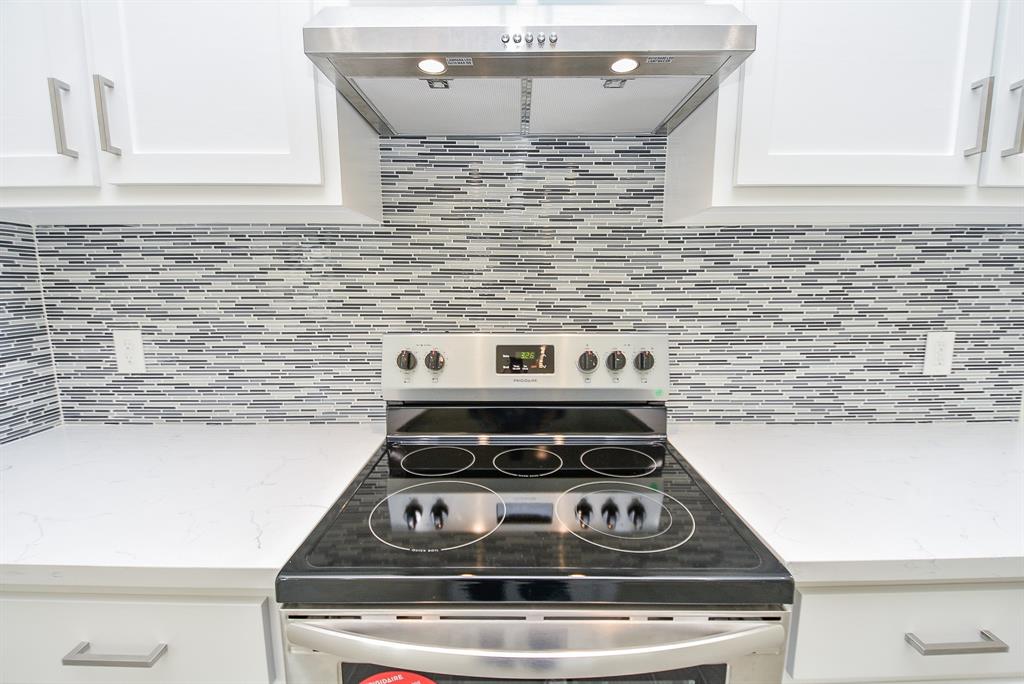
(660, 59)
(461, 61)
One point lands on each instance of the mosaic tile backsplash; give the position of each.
(252, 323)
(28, 390)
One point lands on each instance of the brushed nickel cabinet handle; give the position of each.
(102, 117)
(80, 655)
(981, 143)
(989, 643)
(60, 135)
(1018, 131)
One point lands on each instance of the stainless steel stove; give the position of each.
(527, 519)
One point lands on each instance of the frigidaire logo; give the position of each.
(524, 379)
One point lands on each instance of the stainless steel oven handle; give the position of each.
(538, 649)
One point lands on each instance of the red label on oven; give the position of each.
(397, 677)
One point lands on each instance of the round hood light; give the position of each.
(433, 66)
(621, 66)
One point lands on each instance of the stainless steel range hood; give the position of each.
(531, 70)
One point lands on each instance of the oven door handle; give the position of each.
(560, 649)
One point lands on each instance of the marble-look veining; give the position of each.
(211, 501)
(873, 503)
(225, 506)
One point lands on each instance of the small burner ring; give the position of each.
(447, 473)
(650, 469)
(544, 473)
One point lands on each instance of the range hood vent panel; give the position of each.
(499, 85)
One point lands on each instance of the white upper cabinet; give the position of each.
(1003, 163)
(46, 137)
(865, 92)
(213, 92)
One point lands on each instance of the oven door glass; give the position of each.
(375, 674)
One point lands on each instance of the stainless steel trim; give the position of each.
(1018, 131)
(60, 135)
(102, 117)
(539, 649)
(79, 655)
(981, 142)
(989, 643)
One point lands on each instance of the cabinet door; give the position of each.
(1002, 165)
(41, 41)
(864, 92)
(213, 92)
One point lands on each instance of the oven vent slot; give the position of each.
(748, 618)
(482, 617)
(581, 618)
(324, 617)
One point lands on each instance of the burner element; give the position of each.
(461, 513)
(652, 515)
(528, 462)
(614, 461)
(437, 461)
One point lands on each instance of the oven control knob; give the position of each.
(434, 360)
(406, 360)
(413, 513)
(587, 361)
(616, 361)
(610, 513)
(553, 38)
(635, 512)
(583, 512)
(644, 361)
(439, 514)
(516, 38)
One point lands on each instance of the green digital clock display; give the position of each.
(522, 358)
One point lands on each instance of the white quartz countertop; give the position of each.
(850, 503)
(225, 506)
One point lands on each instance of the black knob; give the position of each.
(434, 360)
(439, 514)
(616, 361)
(406, 360)
(610, 513)
(413, 513)
(587, 361)
(583, 512)
(644, 361)
(636, 513)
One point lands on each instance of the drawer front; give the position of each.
(217, 641)
(860, 634)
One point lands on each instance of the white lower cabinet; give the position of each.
(859, 634)
(220, 641)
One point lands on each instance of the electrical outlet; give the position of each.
(938, 353)
(128, 350)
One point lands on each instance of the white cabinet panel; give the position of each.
(214, 92)
(39, 41)
(220, 641)
(858, 634)
(1007, 105)
(864, 92)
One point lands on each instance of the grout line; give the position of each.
(46, 323)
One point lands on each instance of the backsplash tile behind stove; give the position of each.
(248, 323)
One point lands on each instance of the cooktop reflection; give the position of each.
(531, 523)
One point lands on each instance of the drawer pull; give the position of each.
(989, 643)
(79, 655)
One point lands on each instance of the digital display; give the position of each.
(523, 358)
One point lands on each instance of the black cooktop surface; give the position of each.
(532, 523)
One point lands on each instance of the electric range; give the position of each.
(527, 519)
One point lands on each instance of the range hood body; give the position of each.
(372, 56)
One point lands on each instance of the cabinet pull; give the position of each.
(79, 655)
(60, 135)
(1018, 132)
(981, 144)
(989, 643)
(102, 118)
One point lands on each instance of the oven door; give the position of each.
(541, 650)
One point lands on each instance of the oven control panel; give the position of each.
(534, 367)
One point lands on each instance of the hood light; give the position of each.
(433, 66)
(619, 66)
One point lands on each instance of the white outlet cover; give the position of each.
(938, 353)
(128, 351)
